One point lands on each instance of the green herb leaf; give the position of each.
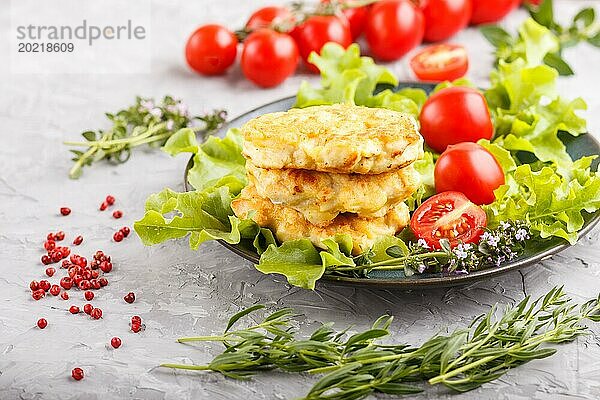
(585, 17)
(496, 35)
(555, 61)
(236, 317)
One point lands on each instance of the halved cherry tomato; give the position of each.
(317, 30)
(470, 169)
(266, 17)
(440, 62)
(489, 11)
(453, 115)
(448, 215)
(211, 49)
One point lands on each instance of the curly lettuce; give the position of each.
(527, 111)
(551, 204)
(348, 78)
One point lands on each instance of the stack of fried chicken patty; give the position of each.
(326, 170)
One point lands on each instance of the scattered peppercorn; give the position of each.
(129, 297)
(77, 374)
(115, 342)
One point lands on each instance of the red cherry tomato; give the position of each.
(211, 49)
(269, 57)
(266, 17)
(393, 28)
(448, 215)
(470, 169)
(356, 16)
(317, 30)
(453, 115)
(444, 18)
(440, 62)
(488, 11)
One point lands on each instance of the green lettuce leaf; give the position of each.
(384, 243)
(219, 162)
(297, 260)
(551, 204)
(201, 215)
(348, 78)
(183, 141)
(338, 253)
(425, 167)
(527, 112)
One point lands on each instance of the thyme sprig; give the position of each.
(496, 246)
(145, 122)
(354, 366)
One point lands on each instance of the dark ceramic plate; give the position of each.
(577, 147)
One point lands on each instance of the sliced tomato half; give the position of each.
(448, 215)
(440, 62)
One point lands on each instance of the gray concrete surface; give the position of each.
(182, 292)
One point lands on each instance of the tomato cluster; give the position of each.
(466, 175)
(275, 37)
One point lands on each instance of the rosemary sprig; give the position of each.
(357, 365)
(145, 122)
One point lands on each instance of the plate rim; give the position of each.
(445, 280)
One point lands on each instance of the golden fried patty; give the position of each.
(289, 224)
(321, 196)
(337, 138)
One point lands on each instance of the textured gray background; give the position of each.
(181, 292)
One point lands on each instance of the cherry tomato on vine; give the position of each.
(317, 30)
(393, 28)
(470, 169)
(448, 215)
(269, 57)
(211, 49)
(440, 62)
(356, 16)
(444, 18)
(488, 11)
(453, 115)
(266, 17)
